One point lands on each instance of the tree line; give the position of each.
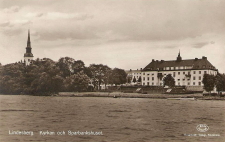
(45, 76)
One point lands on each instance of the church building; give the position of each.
(28, 56)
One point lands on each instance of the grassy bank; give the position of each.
(137, 95)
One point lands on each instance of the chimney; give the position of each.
(141, 68)
(203, 57)
(196, 59)
(153, 60)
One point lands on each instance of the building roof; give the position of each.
(133, 71)
(190, 63)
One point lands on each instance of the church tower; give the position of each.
(28, 56)
(179, 58)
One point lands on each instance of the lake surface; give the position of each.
(119, 119)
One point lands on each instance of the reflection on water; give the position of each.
(120, 119)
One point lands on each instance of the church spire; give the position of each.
(179, 57)
(179, 53)
(28, 56)
(28, 39)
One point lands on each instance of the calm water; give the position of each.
(120, 119)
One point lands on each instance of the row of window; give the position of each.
(180, 67)
(194, 83)
(174, 73)
(148, 78)
(194, 78)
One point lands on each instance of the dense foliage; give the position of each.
(169, 81)
(211, 81)
(45, 76)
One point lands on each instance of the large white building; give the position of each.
(187, 72)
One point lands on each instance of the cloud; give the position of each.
(12, 9)
(72, 16)
(200, 45)
(5, 24)
(12, 32)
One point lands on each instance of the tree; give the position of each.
(66, 65)
(12, 79)
(78, 66)
(169, 81)
(129, 78)
(118, 76)
(43, 77)
(77, 82)
(139, 79)
(220, 82)
(100, 74)
(209, 82)
(134, 80)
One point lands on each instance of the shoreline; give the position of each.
(197, 96)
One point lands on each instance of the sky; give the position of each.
(125, 34)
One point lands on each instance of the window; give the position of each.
(143, 73)
(152, 78)
(183, 72)
(179, 83)
(178, 73)
(188, 83)
(200, 78)
(143, 78)
(147, 83)
(174, 74)
(205, 72)
(152, 83)
(183, 79)
(200, 72)
(203, 66)
(199, 83)
(193, 83)
(194, 72)
(178, 79)
(148, 78)
(189, 72)
(143, 83)
(193, 77)
(153, 74)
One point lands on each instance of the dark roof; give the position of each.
(193, 63)
(28, 55)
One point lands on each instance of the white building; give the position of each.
(134, 74)
(185, 72)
